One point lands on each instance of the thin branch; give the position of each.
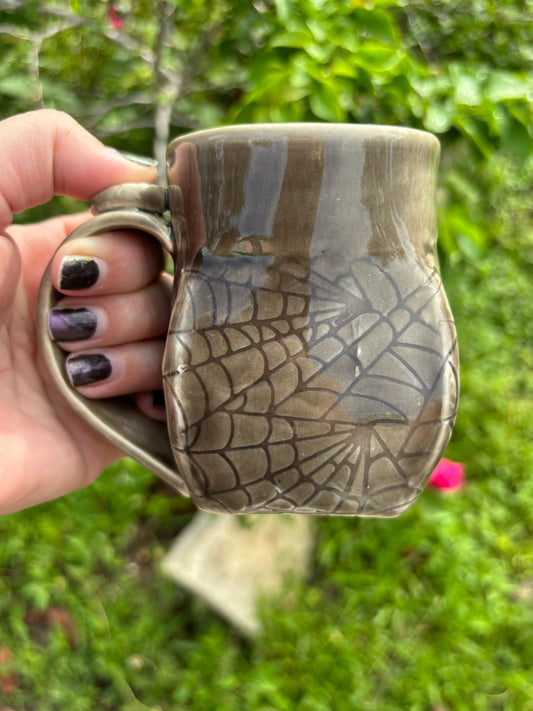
(170, 85)
(12, 30)
(130, 126)
(33, 71)
(167, 90)
(93, 117)
(11, 4)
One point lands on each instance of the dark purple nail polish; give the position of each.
(78, 273)
(71, 324)
(158, 398)
(87, 369)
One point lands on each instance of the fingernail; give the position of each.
(88, 369)
(78, 272)
(71, 324)
(158, 398)
(138, 159)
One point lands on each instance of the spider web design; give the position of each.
(295, 392)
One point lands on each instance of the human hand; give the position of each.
(46, 450)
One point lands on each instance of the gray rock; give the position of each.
(230, 560)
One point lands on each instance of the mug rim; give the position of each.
(357, 130)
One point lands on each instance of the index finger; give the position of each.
(46, 153)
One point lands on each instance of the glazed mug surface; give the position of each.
(311, 359)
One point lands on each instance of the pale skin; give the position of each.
(46, 451)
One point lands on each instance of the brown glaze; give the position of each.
(311, 360)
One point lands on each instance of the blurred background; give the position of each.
(427, 612)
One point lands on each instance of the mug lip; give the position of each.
(356, 130)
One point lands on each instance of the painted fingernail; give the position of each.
(158, 398)
(140, 160)
(88, 369)
(72, 324)
(78, 272)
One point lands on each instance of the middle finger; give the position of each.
(98, 321)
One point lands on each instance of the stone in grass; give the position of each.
(231, 560)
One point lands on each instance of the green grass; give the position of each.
(427, 612)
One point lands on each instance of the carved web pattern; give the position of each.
(296, 392)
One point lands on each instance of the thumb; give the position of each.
(9, 273)
(46, 153)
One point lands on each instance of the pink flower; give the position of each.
(115, 20)
(448, 475)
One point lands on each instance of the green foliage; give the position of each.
(458, 69)
(431, 611)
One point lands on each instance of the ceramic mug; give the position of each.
(311, 360)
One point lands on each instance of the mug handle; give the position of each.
(135, 207)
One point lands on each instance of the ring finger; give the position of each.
(78, 323)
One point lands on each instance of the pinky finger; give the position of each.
(118, 370)
(152, 403)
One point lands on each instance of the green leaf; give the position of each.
(431, 87)
(467, 87)
(468, 247)
(522, 113)
(299, 39)
(284, 9)
(304, 63)
(503, 86)
(376, 24)
(325, 104)
(516, 139)
(438, 118)
(37, 593)
(320, 53)
(464, 226)
(318, 29)
(475, 130)
(377, 57)
(344, 37)
(19, 86)
(344, 67)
